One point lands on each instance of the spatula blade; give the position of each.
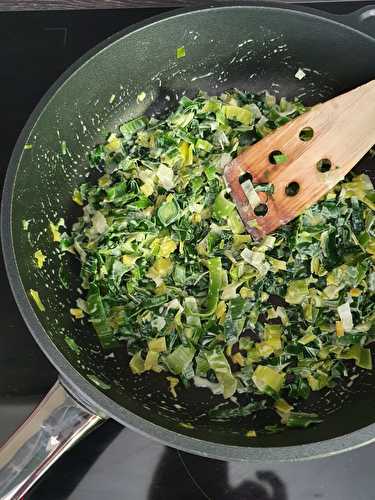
(342, 131)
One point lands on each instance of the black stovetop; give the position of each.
(114, 462)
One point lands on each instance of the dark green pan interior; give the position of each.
(252, 48)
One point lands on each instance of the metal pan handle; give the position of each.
(53, 428)
(361, 19)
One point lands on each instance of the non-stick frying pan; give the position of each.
(258, 47)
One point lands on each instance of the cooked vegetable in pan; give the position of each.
(169, 272)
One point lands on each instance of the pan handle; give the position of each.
(53, 428)
(361, 19)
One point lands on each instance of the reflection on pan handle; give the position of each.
(53, 428)
(361, 19)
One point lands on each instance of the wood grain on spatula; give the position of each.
(343, 131)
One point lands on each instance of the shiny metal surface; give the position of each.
(54, 427)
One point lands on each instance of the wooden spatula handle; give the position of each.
(343, 131)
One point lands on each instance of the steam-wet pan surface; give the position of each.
(255, 48)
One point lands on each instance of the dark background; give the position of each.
(110, 4)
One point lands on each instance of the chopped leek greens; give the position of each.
(180, 52)
(39, 258)
(279, 159)
(36, 298)
(170, 274)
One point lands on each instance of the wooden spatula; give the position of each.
(303, 159)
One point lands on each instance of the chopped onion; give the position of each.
(346, 316)
(250, 193)
(99, 223)
(165, 176)
(300, 74)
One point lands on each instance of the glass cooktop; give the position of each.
(113, 462)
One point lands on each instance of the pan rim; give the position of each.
(81, 388)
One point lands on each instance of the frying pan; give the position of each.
(255, 46)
